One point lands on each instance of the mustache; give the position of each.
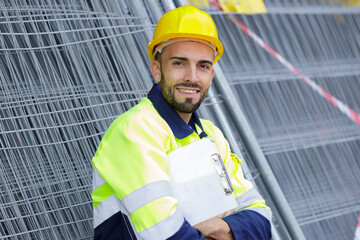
(189, 85)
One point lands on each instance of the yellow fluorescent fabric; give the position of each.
(259, 203)
(243, 6)
(225, 5)
(137, 143)
(200, 3)
(101, 193)
(126, 147)
(347, 3)
(142, 220)
(132, 155)
(355, 3)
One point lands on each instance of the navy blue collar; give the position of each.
(178, 126)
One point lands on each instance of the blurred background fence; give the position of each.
(68, 68)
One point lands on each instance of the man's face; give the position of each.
(186, 73)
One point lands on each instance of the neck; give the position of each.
(185, 116)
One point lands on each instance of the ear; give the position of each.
(155, 70)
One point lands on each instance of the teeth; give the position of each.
(187, 91)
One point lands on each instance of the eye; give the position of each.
(205, 66)
(178, 63)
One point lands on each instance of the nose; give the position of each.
(191, 74)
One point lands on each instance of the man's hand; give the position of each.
(215, 228)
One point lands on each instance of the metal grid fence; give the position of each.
(68, 68)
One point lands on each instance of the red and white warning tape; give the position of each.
(317, 88)
(357, 230)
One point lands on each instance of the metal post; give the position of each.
(228, 132)
(257, 155)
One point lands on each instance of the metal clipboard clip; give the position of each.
(223, 175)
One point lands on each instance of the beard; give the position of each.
(187, 106)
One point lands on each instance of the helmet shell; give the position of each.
(185, 22)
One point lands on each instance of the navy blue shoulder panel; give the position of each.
(250, 225)
(116, 227)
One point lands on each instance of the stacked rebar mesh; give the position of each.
(312, 147)
(69, 68)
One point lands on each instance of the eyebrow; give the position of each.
(179, 58)
(186, 59)
(206, 61)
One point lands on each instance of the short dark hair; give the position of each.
(157, 57)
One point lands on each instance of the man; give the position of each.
(132, 198)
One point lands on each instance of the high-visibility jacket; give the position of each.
(131, 192)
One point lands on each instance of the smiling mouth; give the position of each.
(188, 90)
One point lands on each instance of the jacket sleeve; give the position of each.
(250, 225)
(187, 232)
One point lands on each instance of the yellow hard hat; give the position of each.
(186, 22)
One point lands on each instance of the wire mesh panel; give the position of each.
(67, 69)
(311, 145)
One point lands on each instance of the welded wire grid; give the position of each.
(312, 147)
(67, 69)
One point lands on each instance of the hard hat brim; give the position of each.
(213, 40)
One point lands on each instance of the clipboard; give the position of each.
(199, 181)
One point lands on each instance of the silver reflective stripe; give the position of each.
(248, 198)
(164, 229)
(108, 208)
(161, 230)
(146, 194)
(266, 212)
(132, 201)
(97, 179)
(141, 196)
